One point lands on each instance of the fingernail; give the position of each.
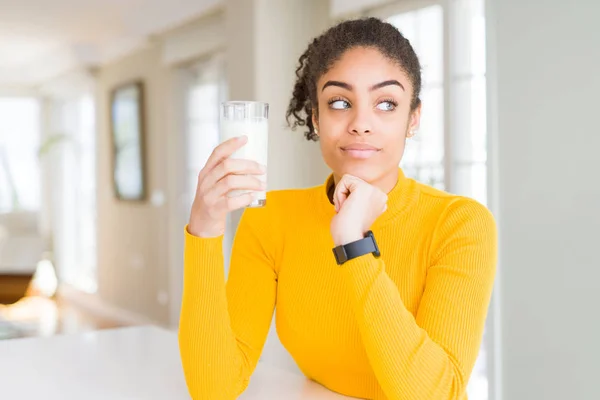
(263, 168)
(242, 138)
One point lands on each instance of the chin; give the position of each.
(366, 171)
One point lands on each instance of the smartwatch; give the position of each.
(356, 249)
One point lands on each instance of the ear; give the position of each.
(315, 119)
(415, 119)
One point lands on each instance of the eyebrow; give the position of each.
(379, 85)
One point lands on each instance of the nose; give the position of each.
(360, 125)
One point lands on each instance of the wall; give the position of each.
(545, 60)
(132, 237)
(348, 7)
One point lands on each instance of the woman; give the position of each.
(396, 314)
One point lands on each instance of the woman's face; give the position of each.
(364, 115)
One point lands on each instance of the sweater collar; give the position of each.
(400, 198)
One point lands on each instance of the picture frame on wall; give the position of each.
(128, 141)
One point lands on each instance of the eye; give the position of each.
(339, 104)
(387, 105)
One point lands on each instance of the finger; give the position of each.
(235, 182)
(229, 204)
(224, 150)
(340, 194)
(231, 166)
(343, 190)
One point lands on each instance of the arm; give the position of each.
(223, 327)
(430, 356)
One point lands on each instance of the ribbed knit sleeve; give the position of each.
(429, 356)
(223, 326)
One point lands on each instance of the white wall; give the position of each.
(546, 144)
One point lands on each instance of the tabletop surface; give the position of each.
(125, 363)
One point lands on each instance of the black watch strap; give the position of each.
(356, 249)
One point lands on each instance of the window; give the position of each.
(206, 90)
(74, 184)
(424, 155)
(205, 93)
(19, 145)
(449, 150)
(468, 132)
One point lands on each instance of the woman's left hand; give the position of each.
(358, 204)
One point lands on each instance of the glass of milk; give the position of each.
(250, 118)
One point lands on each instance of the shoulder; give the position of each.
(464, 230)
(456, 218)
(463, 226)
(450, 206)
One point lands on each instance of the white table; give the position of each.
(123, 364)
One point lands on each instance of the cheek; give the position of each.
(331, 131)
(395, 139)
(328, 143)
(398, 151)
(329, 123)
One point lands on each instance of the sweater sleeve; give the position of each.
(430, 356)
(223, 326)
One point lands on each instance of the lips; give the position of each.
(360, 150)
(360, 146)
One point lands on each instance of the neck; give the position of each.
(386, 182)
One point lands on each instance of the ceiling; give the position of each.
(41, 39)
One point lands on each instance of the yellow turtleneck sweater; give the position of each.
(407, 325)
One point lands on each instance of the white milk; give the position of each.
(256, 149)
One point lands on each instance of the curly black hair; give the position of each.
(329, 47)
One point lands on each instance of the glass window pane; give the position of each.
(203, 138)
(431, 129)
(19, 145)
(426, 149)
(468, 32)
(430, 25)
(471, 181)
(192, 183)
(203, 102)
(73, 175)
(407, 24)
(479, 118)
(424, 29)
(205, 94)
(432, 175)
(478, 59)
(6, 198)
(469, 139)
(424, 153)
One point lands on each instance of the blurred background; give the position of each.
(108, 110)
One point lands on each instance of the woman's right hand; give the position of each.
(220, 176)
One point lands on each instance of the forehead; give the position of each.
(364, 66)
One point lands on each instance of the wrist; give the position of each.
(204, 231)
(347, 237)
